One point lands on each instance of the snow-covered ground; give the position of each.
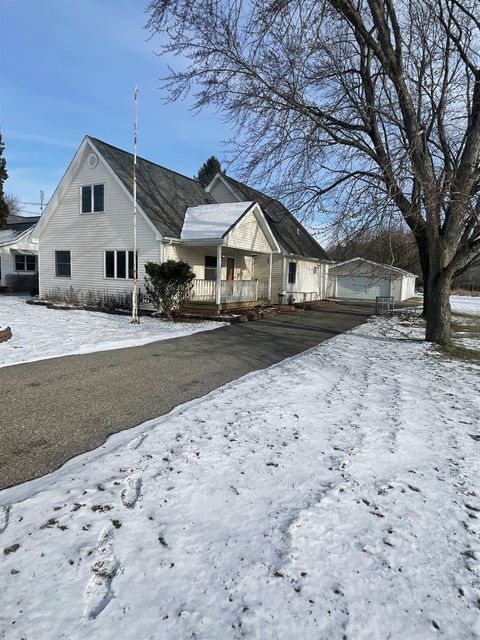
(333, 496)
(40, 333)
(465, 304)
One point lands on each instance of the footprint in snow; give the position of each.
(131, 492)
(4, 513)
(99, 590)
(136, 442)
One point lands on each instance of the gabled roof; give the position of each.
(289, 233)
(385, 267)
(164, 195)
(212, 220)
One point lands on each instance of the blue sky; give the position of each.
(68, 68)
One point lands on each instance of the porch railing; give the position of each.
(230, 290)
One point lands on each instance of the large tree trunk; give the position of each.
(438, 312)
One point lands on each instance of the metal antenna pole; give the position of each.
(135, 319)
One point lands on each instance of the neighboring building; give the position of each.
(18, 255)
(300, 269)
(363, 279)
(85, 234)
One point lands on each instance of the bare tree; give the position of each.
(14, 205)
(395, 246)
(359, 108)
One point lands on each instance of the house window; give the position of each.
(117, 263)
(210, 267)
(292, 272)
(93, 198)
(63, 264)
(24, 263)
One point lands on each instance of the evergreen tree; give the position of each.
(3, 177)
(208, 171)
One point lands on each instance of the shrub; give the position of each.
(168, 284)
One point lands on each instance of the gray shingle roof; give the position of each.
(163, 194)
(287, 230)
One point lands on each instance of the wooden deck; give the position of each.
(210, 308)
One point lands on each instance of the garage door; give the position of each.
(364, 287)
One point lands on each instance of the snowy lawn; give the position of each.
(40, 333)
(465, 304)
(334, 496)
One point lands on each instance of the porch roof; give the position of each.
(211, 221)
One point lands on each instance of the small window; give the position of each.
(121, 265)
(116, 264)
(292, 272)
(98, 197)
(93, 198)
(25, 263)
(210, 267)
(110, 264)
(63, 264)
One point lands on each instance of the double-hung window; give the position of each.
(93, 198)
(119, 264)
(24, 263)
(63, 264)
(292, 272)
(210, 267)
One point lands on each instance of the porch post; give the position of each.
(218, 282)
(270, 260)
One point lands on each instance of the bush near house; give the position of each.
(168, 284)
(96, 300)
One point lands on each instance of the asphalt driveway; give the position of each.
(55, 409)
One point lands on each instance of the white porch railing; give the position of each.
(230, 290)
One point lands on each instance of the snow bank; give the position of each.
(40, 333)
(466, 304)
(332, 496)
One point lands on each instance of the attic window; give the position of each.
(93, 198)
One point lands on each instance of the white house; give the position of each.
(18, 254)
(300, 269)
(85, 234)
(363, 279)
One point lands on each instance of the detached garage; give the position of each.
(365, 280)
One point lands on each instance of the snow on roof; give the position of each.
(212, 220)
(9, 235)
(376, 264)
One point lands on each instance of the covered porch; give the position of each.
(242, 280)
(229, 247)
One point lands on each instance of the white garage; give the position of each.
(363, 279)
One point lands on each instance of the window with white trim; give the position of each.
(25, 262)
(63, 264)
(117, 263)
(210, 268)
(292, 272)
(93, 198)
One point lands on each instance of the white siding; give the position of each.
(248, 235)
(221, 193)
(308, 278)
(88, 236)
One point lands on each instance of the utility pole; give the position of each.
(42, 198)
(135, 319)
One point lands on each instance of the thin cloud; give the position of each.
(39, 139)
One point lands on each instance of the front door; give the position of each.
(230, 268)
